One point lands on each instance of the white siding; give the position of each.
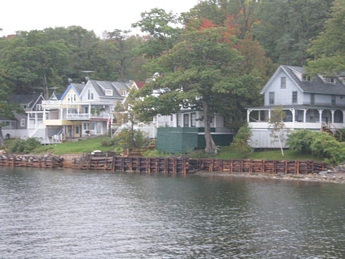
(283, 96)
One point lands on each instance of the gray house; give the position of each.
(309, 103)
(25, 124)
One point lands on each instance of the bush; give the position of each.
(128, 138)
(24, 146)
(301, 140)
(108, 142)
(319, 144)
(240, 142)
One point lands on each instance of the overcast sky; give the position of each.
(99, 15)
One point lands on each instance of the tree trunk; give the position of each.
(45, 87)
(2, 142)
(210, 145)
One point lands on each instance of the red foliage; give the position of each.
(206, 24)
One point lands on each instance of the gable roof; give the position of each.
(78, 88)
(101, 86)
(315, 85)
(140, 84)
(28, 100)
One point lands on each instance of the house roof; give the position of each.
(25, 99)
(140, 84)
(316, 85)
(101, 86)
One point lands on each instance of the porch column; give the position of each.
(293, 117)
(248, 115)
(332, 117)
(36, 120)
(305, 115)
(320, 118)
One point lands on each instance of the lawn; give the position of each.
(225, 152)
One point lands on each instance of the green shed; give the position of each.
(182, 140)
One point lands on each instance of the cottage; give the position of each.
(316, 103)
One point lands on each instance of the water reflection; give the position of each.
(65, 214)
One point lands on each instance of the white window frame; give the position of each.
(283, 82)
(108, 92)
(90, 94)
(294, 97)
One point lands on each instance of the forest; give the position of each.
(217, 55)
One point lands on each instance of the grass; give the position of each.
(225, 152)
(77, 147)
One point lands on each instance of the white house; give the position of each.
(84, 109)
(28, 123)
(309, 103)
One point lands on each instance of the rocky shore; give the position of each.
(324, 176)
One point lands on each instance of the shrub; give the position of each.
(301, 140)
(320, 144)
(240, 142)
(108, 142)
(24, 146)
(128, 138)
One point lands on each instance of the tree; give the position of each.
(240, 142)
(6, 109)
(328, 49)
(277, 125)
(31, 61)
(202, 71)
(163, 29)
(285, 28)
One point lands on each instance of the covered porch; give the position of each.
(306, 117)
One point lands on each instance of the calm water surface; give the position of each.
(66, 214)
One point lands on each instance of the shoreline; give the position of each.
(322, 177)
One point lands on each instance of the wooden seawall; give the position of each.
(48, 161)
(172, 165)
(181, 165)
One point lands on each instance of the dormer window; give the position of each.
(306, 78)
(283, 82)
(330, 80)
(108, 92)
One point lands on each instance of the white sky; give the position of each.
(99, 15)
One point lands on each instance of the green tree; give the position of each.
(240, 143)
(328, 49)
(6, 109)
(163, 29)
(31, 60)
(285, 28)
(203, 72)
(277, 125)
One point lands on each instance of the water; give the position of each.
(66, 214)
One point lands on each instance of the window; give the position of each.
(193, 120)
(330, 80)
(38, 107)
(283, 82)
(71, 97)
(294, 97)
(77, 130)
(271, 98)
(89, 94)
(179, 118)
(22, 123)
(185, 120)
(333, 100)
(312, 99)
(306, 78)
(108, 92)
